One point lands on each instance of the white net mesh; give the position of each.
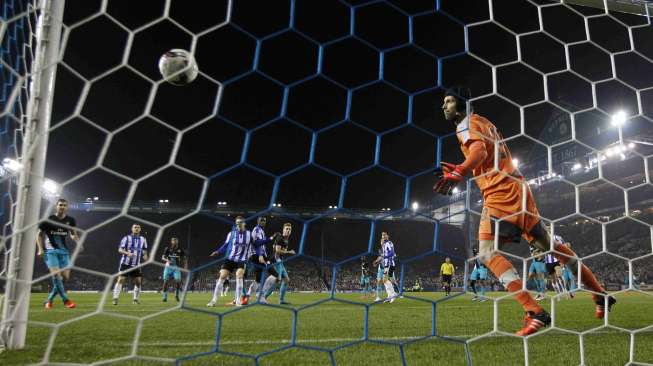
(327, 115)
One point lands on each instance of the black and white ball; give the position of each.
(178, 67)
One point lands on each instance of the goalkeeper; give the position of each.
(503, 191)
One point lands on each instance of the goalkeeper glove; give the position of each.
(449, 176)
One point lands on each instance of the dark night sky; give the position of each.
(315, 89)
(402, 108)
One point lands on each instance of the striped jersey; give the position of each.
(550, 258)
(239, 244)
(388, 250)
(259, 238)
(134, 244)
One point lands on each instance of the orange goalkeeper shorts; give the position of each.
(518, 217)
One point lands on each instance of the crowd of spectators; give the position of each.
(625, 239)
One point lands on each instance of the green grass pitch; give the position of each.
(166, 332)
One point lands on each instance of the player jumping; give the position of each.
(237, 245)
(554, 271)
(133, 248)
(259, 258)
(387, 257)
(280, 245)
(173, 256)
(503, 191)
(52, 237)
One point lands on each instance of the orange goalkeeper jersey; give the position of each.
(495, 185)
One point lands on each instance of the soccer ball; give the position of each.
(178, 67)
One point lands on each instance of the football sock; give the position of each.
(282, 291)
(379, 288)
(389, 289)
(54, 290)
(137, 292)
(116, 290)
(472, 284)
(253, 287)
(217, 291)
(268, 286)
(508, 276)
(239, 290)
(62, 291)
(562, 285)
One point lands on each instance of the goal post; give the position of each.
(35, 127)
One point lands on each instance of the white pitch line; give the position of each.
(187, 310)
(265, 341)
(320, 340)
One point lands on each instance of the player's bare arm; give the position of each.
(377, 261)
(39, 243)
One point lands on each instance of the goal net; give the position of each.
(328, 116)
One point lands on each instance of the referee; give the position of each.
(446, 272)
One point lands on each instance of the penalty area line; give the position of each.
(461, 337)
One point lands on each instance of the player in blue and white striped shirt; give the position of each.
(259, 258)
(554, 269)
(387, 257)
(238, 247)
(566, 278)
(133, 248)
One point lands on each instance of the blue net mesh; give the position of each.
(374, 98)
(14, 57)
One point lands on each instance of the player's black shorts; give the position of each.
(446, 278)
(258, 267)
(390, 272)
(130, 271)
(551, 267)
(232, 266)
